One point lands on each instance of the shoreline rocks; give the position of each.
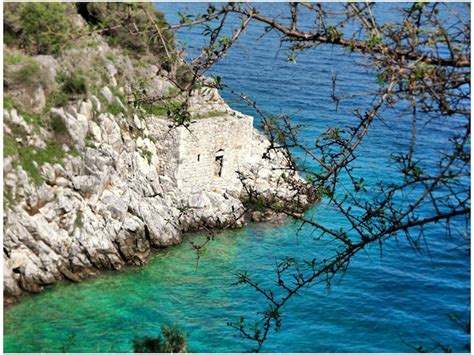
(128, 182)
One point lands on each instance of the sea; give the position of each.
(394, 299)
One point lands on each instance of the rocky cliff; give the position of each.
(92, 183)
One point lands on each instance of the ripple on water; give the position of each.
(380, 302)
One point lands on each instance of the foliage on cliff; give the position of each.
(48, 28)
(136, 27)
(172, 341)
(39, 28)
(121, 46)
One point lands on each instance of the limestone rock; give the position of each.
(15, 119)
(77, 125)
(49, 68)
(107, 94)
(39, 99)
(137, 182)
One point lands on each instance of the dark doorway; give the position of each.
(218, 163)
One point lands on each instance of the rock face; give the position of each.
(135, 183)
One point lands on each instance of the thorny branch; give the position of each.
(422, 65)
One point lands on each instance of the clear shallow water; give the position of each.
(380, 303)
(376, 305)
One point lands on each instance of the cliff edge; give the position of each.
(93, 182)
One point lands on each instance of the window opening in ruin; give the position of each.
(199, 157)
(218, 163)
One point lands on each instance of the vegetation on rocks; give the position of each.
(21, 70)
(44, 40)
(73, 84)
(172, 341)
(39, 28)
(49, 28)
(136, 27)
(95, 98)
(30, 159)
(63, 32)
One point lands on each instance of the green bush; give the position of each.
(57, 125)
(57, 99)
(173, 341)
(28, 156)
(115, 109)
(73, 84)
(13, 58)
(156, 110)
(10, 146)
(40, 28)
(32, 118)
(11, 23)
(30, 159)
(173, 109)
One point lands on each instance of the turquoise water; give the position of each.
(381, 303)
(378, 304)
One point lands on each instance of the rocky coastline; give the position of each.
(94, 184)
(108, 205)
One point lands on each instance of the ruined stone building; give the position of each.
(207, 154)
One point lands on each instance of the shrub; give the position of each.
(10, 146)
(57, 125)
(52, 153)
(57, 99)
(26, 159)
(173, 341)
(32, 118)
(114, 108)
(73, 84)
(156, 110)
(40, 28)
(11, 23)
(13, 58)
(173, 109)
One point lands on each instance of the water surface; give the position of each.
(381, 304)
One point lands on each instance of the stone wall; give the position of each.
(211, 150)
(165, 137)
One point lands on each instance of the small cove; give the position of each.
(373, 307)
(381, 302)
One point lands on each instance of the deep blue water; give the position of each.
(381, 303)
